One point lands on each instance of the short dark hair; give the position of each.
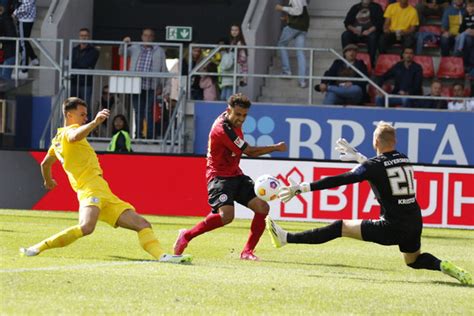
(72, 103)
(239, 99)
(85, 29)
(150, 29)
(405, 48)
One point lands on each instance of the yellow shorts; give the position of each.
(97, 193)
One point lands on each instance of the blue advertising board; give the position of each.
(434, 137)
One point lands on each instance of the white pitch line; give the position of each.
(75, 267)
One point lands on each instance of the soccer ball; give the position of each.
(267, 187)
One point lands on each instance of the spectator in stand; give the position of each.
(344, 92)
(226, 70)
(364, 23)
(297, 28)
(84, 56)
(107, 101)
(457, 105)
(428, 8)
(196, 56)
(401, 21)
(450, 23)
(209, 83)
(25, 14)
(237, 38)
(465, 40)
(120, 141)
(408, 79)
(147, 58)
(7, 29)
(436, 88)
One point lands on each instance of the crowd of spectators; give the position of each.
(401, 28)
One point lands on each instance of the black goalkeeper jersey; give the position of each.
(391, 178)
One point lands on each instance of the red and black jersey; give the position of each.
(225, 147)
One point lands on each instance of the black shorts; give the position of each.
(406, 236)
(224, 191)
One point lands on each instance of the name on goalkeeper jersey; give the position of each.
(395, 161)
(406, 201)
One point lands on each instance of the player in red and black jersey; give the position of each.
(390, 175)
(226, 183)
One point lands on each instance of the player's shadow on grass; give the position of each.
(447, 237)
(8, 231)
(121, 258)
(384, 281)
(336, 265)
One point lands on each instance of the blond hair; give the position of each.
(385, 133)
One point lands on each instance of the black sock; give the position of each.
(317, 235)
(426, 261)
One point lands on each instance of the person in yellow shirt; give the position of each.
(96, 200)
(401, 22)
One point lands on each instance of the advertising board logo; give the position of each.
(257, 132)
(298, 206)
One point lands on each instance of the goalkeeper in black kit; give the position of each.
(390, 175)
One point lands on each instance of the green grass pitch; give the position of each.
(108, 273)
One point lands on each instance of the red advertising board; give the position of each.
(175, 185)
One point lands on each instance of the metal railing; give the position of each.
(195, 71)
(143, 97)
(214, 49)
(48, 62)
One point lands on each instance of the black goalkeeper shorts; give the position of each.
(406, 236)
(224, 191)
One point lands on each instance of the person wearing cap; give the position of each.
(344, 92)
(364, 24)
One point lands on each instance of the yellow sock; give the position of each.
(149, 242)
(61, 239)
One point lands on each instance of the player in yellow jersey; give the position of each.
(96, 200)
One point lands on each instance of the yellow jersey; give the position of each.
(79, 159)
(401, 19)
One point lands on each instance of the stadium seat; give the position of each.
(383, 3)
(436, 30)
(447, 91)
(366, 59)
(426, 63)
(385, 62)
(451, 68)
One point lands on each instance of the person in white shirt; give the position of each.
(457, 105)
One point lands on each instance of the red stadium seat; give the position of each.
(383, 3)
(426, 62)
(451, 68)
(435, 29)
(447, 91)
(366, 59)
(385, 62)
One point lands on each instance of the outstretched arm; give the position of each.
(288, 192)
(77, 134)
(253, 151)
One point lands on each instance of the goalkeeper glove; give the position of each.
(288, 192)
(348, 153)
